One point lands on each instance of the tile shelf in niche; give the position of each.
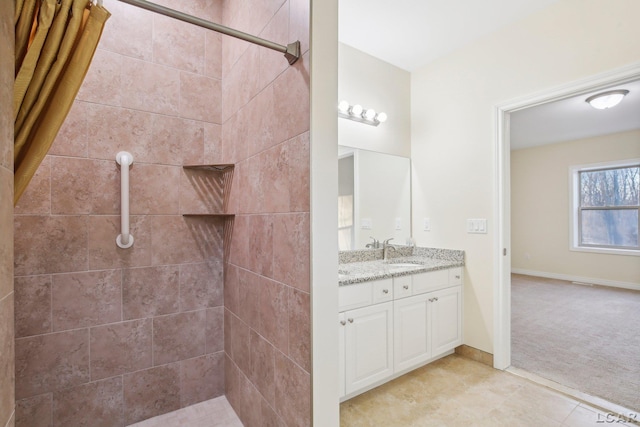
(215, 215)
(212, 168)
(226, 170)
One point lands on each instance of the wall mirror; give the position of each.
(374, 198)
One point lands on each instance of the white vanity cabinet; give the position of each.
(368, 345)
(390, 326)
(426, 325)
(366, 334)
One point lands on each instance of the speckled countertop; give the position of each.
(363, 265)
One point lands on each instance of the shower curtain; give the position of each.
(55, 43)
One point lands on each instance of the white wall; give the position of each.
(453, 123)
(372, 83)
(324, 208)
(540, 205)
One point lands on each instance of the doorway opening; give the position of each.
(502, 200)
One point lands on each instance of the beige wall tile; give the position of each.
(214, 339)
(150, 291)
(103, 251)
(36, 200)
(201, 378)
(72, 138)
(198, 95)
(201, 285)
(53, 244)
(35, 411)
(103, 82)
(178, 44)
(128, 31)
(120, 348)
(40, 366)
(7, 377)
(150, 87)
(33, 298)
(300, 328)
(151, 392)
(178, 336)
(96, 404)
(6, 242)
(86, 299)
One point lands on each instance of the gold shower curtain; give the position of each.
(55, 42)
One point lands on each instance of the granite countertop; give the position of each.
(366, 265)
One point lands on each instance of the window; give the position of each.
(606, 207)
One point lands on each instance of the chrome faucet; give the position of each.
(374, 245)
(386, 246)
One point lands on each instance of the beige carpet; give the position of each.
(583, 337)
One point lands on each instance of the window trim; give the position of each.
(574, 198)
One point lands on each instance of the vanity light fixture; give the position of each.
(358, 114)
(608, 99)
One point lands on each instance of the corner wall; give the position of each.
(7, 380)
(540, 231)
(126, 334)
(453, 124)
(265, 132)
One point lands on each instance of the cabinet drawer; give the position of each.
(355, 296)
(455, 276)
(382, 290)
(402, 286)
(425, 282)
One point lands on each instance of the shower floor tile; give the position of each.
(211, 413)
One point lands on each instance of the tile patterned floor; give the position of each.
(211, 413)
(455, 391)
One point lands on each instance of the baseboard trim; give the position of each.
(475, 354)
(570, 278)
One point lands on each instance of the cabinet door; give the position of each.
(447, 319)
(368, 345)
(411, 324)
(341, 360)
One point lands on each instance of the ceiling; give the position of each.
(411, 33)
(572, 118)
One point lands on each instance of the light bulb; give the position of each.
(381, 117)
(343, 107)
(604, 100)
(369, 114)
(355, 110)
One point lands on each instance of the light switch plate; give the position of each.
(477, 226)
(398, 223)
(426, 224)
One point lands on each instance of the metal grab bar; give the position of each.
(124, 240)
(291, 51)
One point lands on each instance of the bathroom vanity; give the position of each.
(396, 315)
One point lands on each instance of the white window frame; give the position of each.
(574, 196)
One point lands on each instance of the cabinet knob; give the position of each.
(405, 287)
(435, 299)
(385, 291)
(430, 299)
(350, 320)
(457, 276)
(342, 322)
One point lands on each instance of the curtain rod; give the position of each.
(291, 51)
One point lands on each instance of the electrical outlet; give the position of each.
(366, 223)
(426, 224)
(398, 223)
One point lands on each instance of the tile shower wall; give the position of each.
(108, 336)
(6, 217)
(265, 132)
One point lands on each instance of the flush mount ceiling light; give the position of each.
(359, 114)
(608, 99)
